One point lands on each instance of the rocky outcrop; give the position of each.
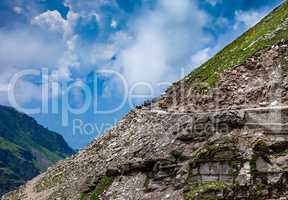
(156, 154)
(260, 81)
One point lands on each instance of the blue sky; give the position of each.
(149, 43)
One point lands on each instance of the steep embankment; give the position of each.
(218, 79)
(221, 133)
(26, 148)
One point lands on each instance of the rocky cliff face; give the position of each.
(235, 154)
(223, 137)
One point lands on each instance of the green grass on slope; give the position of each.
(6, 145)
(41, 153)
(100, 188)
(271, 30)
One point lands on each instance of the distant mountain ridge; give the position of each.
(26, 148)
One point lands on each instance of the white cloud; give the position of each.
(78, 56)
(200, 57)
(178, 10)
(19, 90)
(18, 10)
(213, 2)
(114, 23)
(248, 18)
(27, 48)
(23, 48)
(164, 40)
(51, 20)
(23, 97)
(56, 23)
(88, 7)
(221, 22)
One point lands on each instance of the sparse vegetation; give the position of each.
(48, 182)
(279, 148)
(219, 151)
(260, 146)
(100, 188)
(206, 191)
(270, 31)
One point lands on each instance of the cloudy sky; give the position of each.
(145, 41)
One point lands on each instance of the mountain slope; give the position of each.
(198, 86)
(271, 30)
(26, 148)
(211, 136)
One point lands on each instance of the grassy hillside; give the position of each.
(271, 30)
(26, 148)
